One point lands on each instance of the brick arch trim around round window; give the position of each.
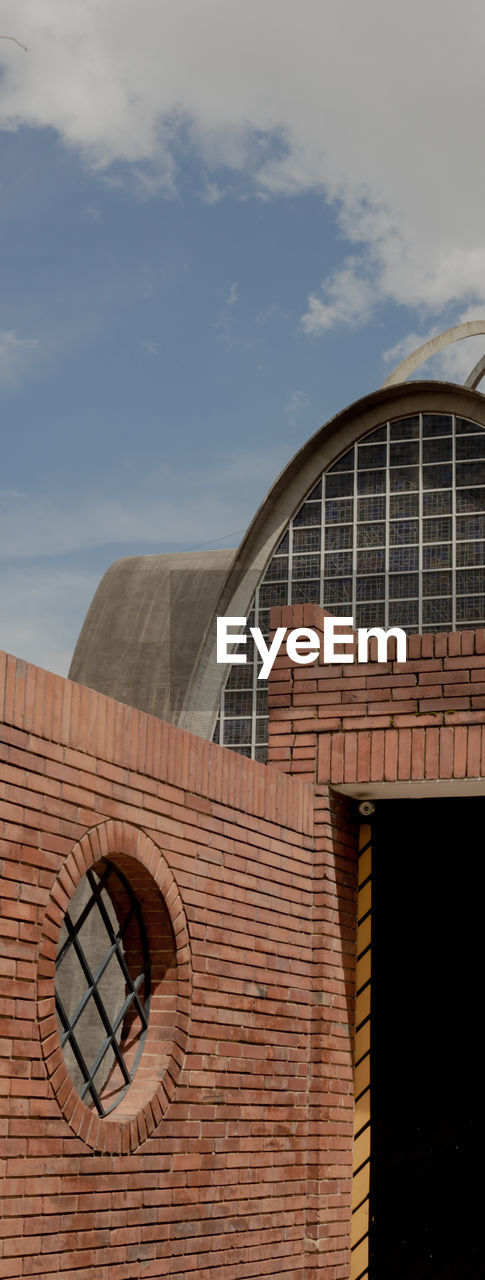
(142, 865)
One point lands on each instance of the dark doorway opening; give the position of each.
(427, 1125)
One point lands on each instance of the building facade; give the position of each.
(240, 999)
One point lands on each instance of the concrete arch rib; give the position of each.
(476, 375)
(469, 329)
(203, 691)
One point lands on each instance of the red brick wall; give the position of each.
(237, 1165)
(231, 1156)
(420, 720)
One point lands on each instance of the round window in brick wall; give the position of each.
(103, 986)
(114, 987)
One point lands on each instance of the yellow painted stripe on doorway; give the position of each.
(359, 1269)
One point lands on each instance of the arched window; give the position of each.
(393, 534)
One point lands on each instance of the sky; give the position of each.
(221, 222)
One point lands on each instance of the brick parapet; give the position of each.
(94, 737)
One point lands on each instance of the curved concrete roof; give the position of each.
(149, 638)
(144, 628)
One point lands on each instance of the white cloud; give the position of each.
(211, 193)
(151, 348)
(376, 106)
(348, 298)
(225, 323)
(295, 406)
(15, 356)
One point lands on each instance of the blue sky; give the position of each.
(219, 225)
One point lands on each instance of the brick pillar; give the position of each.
(294, 696)
(293, 700)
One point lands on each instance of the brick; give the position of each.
(404, 755)
(390, 755)
(474, 751)
(460, 752)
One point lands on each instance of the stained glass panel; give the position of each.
(437, 424)
(404, 478)
(371, 535)
(404, 429)
(468, 447)
(371, 509)
(372, 456)
(305, 592)
(306, 540)
(438, 449)
(470, 553)
(340, 485)
(306, 567)
(371, 588)
(437, 556)
(403, 531)
(405, 454)
(403, 559)
(371, 561)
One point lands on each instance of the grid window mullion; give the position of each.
(420, 527)
(453, 526)
(355, 535)
(221, 715)
(323, 544)
(255, 661)
(387, 533)
(290, 562)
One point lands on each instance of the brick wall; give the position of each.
(420, 720)
(230, 1155)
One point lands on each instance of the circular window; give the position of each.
(114, 987)
(103, 986)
